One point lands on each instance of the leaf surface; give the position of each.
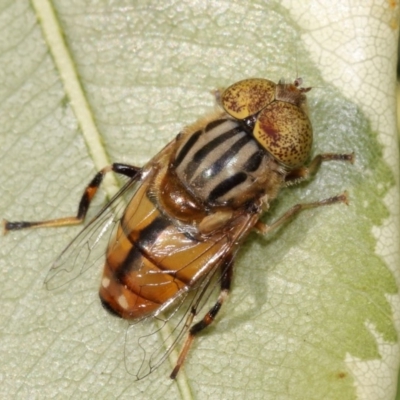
(314, 308)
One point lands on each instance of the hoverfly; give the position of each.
(194, 204)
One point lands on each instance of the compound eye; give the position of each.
(285, 131)
(248, 97)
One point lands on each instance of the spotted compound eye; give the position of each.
(248, 97)
(285, 131)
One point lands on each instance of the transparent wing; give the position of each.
(89, 246)
(151, 340)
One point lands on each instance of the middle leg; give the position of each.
(226, 279)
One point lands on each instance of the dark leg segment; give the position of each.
(226, 279)
(123, 169)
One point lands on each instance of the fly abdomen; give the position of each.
(150, 260)
(137, 285)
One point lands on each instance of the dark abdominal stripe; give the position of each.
(147, 237)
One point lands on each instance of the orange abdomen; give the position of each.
(150, 260)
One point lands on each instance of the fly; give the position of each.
(193, 205)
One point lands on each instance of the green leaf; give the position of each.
(313, 313)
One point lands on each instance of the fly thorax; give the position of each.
(221, 164)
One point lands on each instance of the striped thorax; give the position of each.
(221, 164)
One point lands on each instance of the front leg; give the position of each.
(303, 173)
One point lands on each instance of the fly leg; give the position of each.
(263, 228)
(123, 169)
(226, 279)
(303, 173)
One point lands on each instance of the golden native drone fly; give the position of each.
(194, 205)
